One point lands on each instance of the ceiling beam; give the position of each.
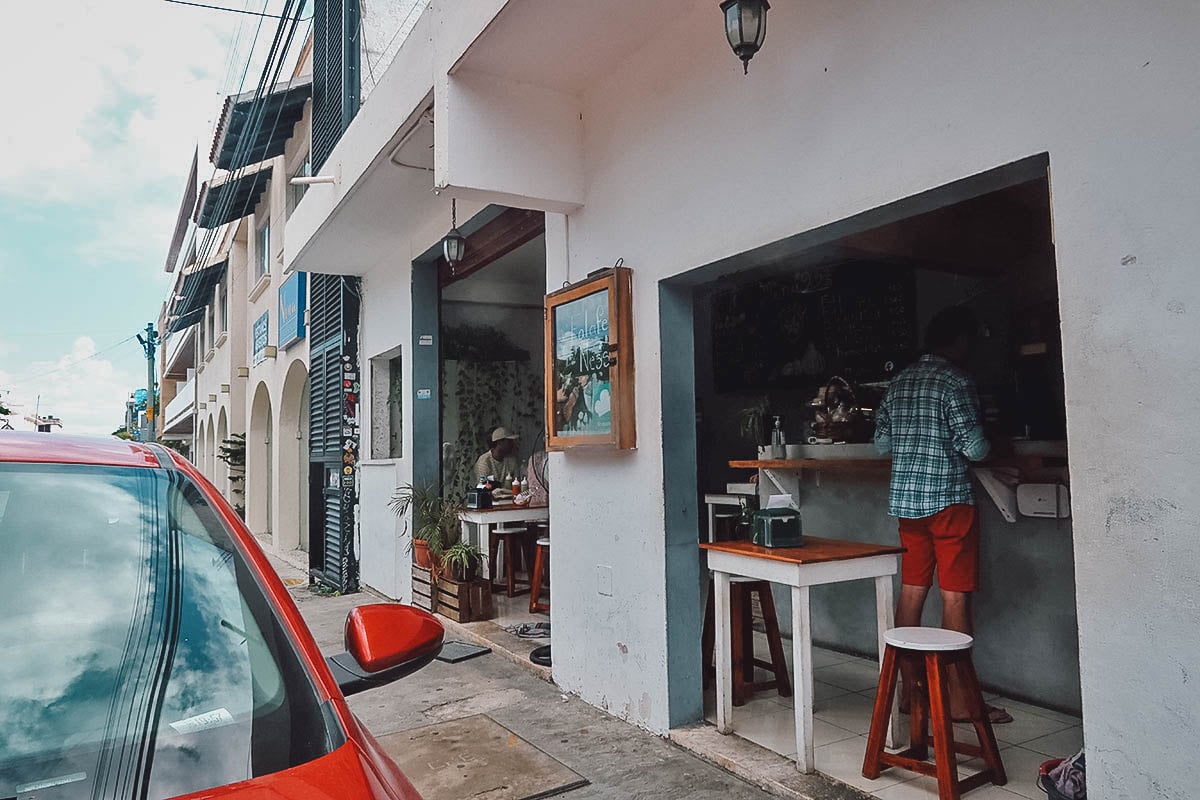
(513, 228)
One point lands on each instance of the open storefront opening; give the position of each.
(781, 330)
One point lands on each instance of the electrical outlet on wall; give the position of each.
(604, 580)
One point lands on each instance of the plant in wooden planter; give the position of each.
(462, 561)
(436, 521)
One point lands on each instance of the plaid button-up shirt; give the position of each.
(929, 421)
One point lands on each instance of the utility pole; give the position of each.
(149, 344)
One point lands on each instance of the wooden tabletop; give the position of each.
(507, 505)
(814, 551)
(814, 463)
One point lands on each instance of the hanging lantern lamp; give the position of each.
(745, 27)
(454, 245)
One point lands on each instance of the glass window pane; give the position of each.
(133, 625)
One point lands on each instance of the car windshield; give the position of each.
(140, 655)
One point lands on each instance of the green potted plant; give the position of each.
(752, 424)
(436, 521)
(463, 561)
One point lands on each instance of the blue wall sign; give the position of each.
(261, 331)
(292, 296)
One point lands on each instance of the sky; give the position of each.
(104, 103)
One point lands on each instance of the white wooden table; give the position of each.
(485, 518)
(819, 561)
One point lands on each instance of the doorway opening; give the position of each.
(824, 320)
(491, 334)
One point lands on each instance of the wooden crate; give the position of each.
(459, 601)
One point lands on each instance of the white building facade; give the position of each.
(634, 130)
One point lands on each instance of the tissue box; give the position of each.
(777, 527)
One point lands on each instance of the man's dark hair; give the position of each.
(948, 325)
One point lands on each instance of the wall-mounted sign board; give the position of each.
(259, 335)
(292, 297)
(589, 363)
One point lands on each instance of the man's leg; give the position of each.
(956, 612)
(912, 603)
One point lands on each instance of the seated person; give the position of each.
(500, 460)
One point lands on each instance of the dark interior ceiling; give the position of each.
(988, 236)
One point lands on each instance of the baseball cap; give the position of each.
(502, 433)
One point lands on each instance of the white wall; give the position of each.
(848, 107)
(851, 106)
(385, 540)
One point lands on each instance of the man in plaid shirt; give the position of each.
(929, 421)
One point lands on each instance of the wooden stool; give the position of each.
(742, 636)
(510, 541)
(933, 654)
(541, 572)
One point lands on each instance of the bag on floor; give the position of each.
(1064, 779)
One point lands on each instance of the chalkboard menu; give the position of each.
(796, 330)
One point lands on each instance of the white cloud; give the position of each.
(109, 98)
(87, 392)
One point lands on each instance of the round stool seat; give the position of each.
(928, 639)
(544, 541)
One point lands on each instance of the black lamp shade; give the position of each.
(745, 27)
(454, 247)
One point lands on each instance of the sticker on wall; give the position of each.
(347, 471)
(347, 431)
(425, 340)
(424, 394)
(355, 387)
(348, 483)
(347, 368)
(346, 384)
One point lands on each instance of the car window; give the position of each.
(141, 656)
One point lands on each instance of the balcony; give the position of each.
(178, 419)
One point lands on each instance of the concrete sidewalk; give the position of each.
(620, 760)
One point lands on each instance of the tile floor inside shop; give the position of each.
(844, 694)
(513, 611)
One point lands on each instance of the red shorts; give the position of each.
(948, 540)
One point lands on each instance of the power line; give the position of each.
(223, 8)
(70, 364)
(268, 79)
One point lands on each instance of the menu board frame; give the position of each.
(607, 352)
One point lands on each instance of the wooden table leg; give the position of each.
(802, 672)
(885, 612)
(724, 651)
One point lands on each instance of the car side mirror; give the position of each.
(385, 642)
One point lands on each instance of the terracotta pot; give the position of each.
(421, 554)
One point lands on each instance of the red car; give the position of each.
(148, 650)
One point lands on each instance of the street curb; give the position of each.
(763, 768)
(500, 641)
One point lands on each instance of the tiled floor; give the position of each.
(512, 611)
(844, 690)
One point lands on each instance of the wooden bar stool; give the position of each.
(933, 654)
(541, 572)
(509, 542)
(742, 634)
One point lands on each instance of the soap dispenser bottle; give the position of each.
(778, 443)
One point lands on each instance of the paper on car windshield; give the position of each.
(209, 719)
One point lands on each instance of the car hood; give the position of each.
(348, 773)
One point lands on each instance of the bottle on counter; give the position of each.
(516, 485)
(525, 485)
(778, 442)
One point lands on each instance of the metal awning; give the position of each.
(250, 132)
(230, 198)
(195, 294)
